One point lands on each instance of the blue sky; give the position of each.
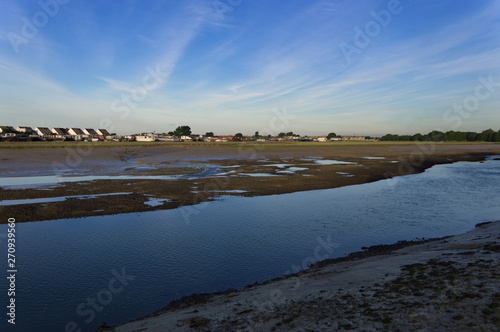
(229, 66)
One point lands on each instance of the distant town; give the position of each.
(181, 134)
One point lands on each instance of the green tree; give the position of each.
(256, 135)
(281, 135)
(331, 135)
(290, 133)
(487, 136)
(209, 134)
(182, 131)
(239, 135)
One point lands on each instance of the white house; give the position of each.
(60, 131)
(103, 132)
(322, 139)
(75, 132)
(43, 131)
(91, 132)
(23, 129)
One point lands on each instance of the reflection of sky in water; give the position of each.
(53, 199)
(333, 162)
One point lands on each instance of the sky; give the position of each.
(311, 67)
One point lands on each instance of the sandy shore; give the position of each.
(448, 284)
(239, 169)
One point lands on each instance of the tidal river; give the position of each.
(76, 273)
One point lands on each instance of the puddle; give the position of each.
(256, 174)
(152, 201)
(53, 199)
(226, 173)
(277, 165)
(333, 162)
(311, 158)
(292, 170)
(36, 181)
(372, 158)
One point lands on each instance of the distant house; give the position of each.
(322, 139)
(168, 139)
(145, 138)
(103, 132)
(353, 138)
(43, 131)
(7, 129)
(226, 138)
(60, 131)
(91, 132)
(23, 129)
(76, 132)
(336, 139)
(186, 138)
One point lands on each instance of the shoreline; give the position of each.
(446, 283)
(296, 171)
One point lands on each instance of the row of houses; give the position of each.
(102, 134)
(56, 133)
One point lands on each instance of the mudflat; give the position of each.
(93, 179)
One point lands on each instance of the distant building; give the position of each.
(103, 132)
(6, 129)
(60, 131)
(43, 131)
(353, 138)
(76, 132)
(322, 139)
(23, 129)
(91, 132)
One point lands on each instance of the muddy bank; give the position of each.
(451, 283)
(202, 173)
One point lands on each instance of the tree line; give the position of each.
(488, 135)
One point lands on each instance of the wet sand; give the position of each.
(448, 284)
(245, 169)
